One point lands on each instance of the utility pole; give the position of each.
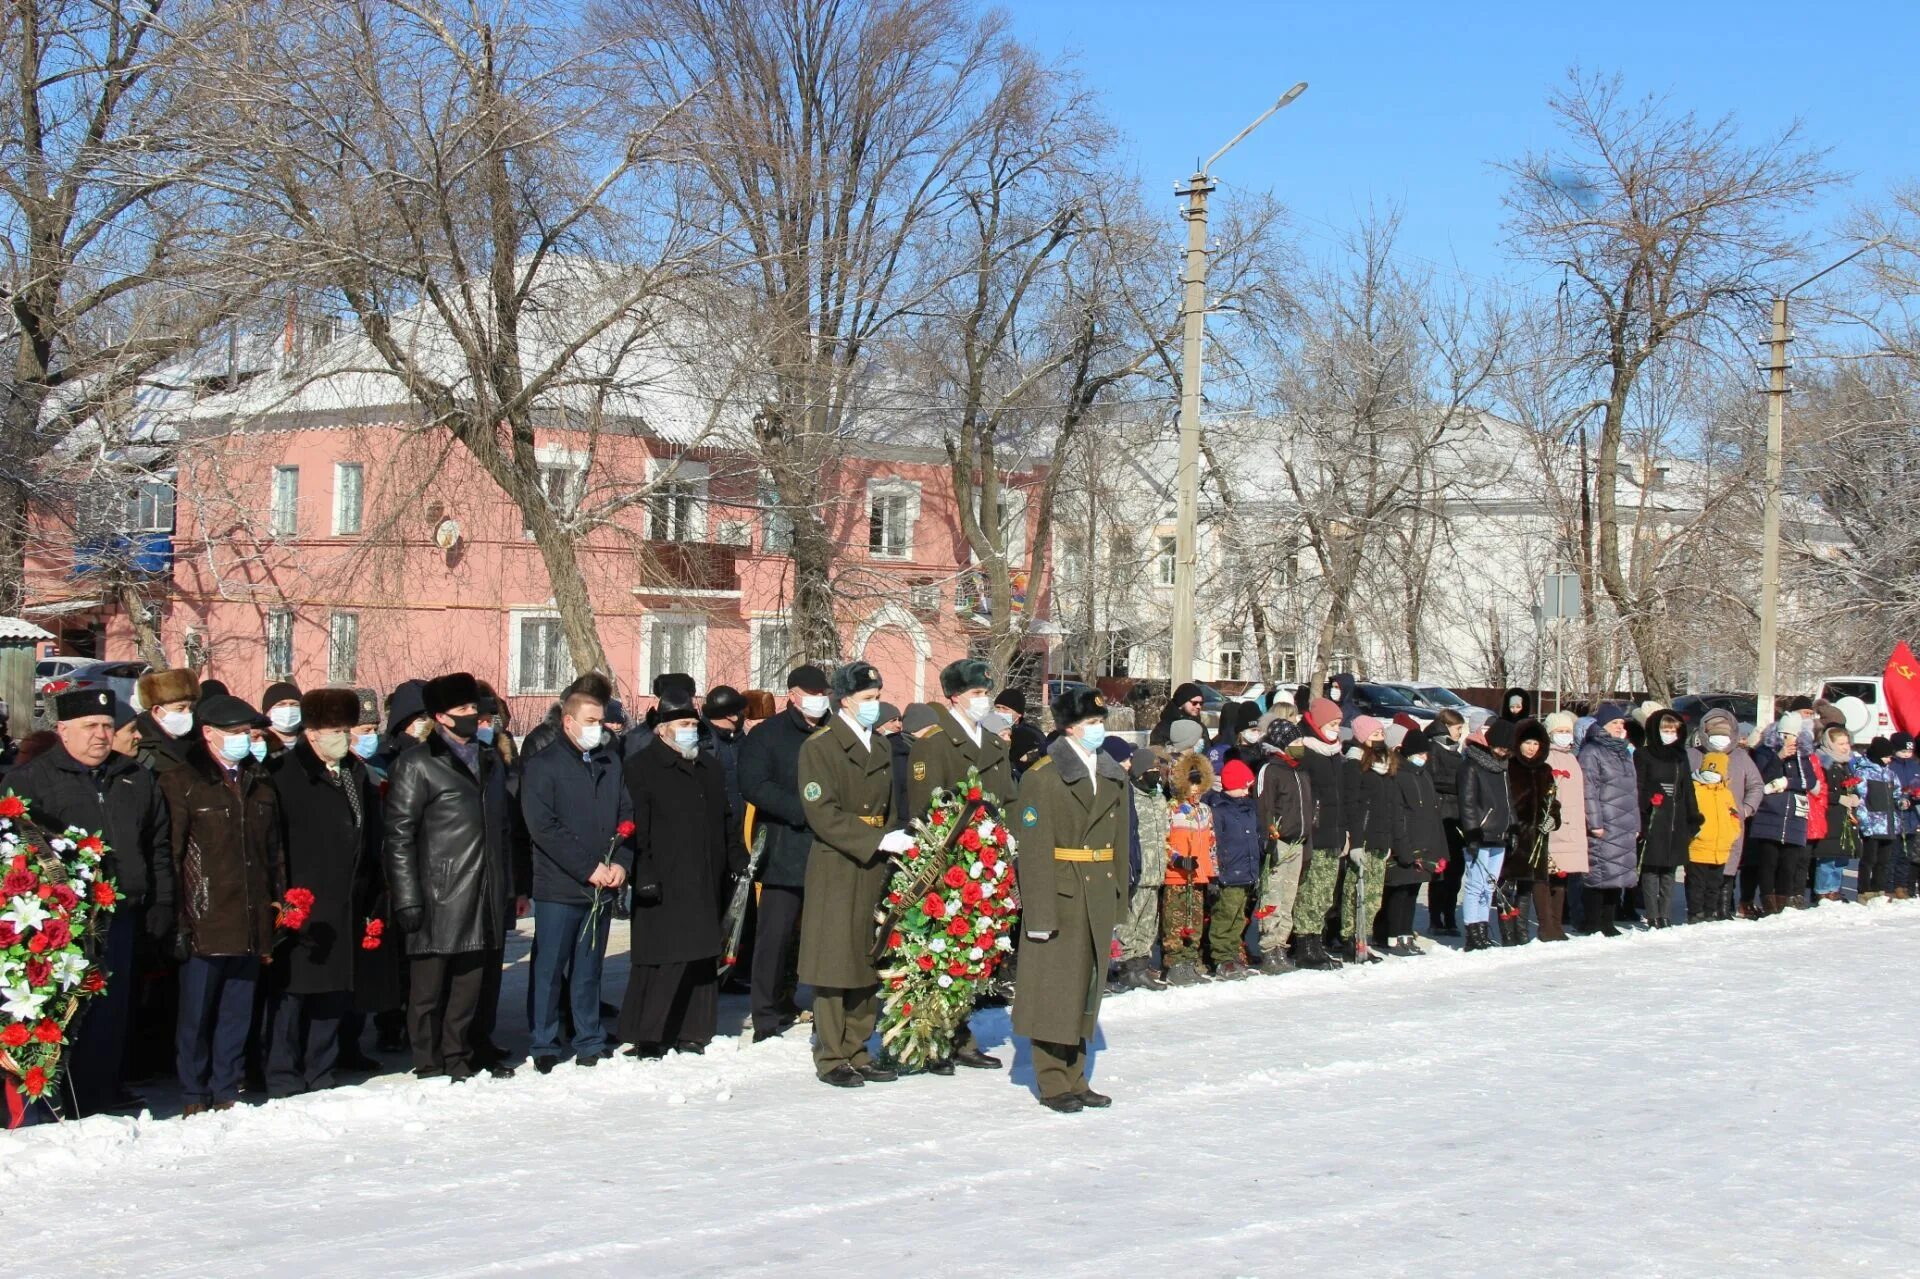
(1193, 336)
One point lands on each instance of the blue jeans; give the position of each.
(1476, 890)
(1828, 874)
(561, 953)
(216, 1012)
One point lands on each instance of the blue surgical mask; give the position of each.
(686, 738)
(867, 714)
(484, 734)
(234, 747)
(1093, 736)
(365, 744)
(258, 749)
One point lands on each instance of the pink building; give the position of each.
(313, 533)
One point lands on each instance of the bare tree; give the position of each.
(115, 253)
(1669, 229)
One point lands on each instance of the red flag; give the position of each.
(1901, 683)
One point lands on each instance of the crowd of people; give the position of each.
(328, 865)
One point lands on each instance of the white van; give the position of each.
(1868, 689)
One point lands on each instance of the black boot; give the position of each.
(1513, 929)
(1477, 938)
(1310, 952)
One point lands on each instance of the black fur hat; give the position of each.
(1077, 704)
(448, 691)
(969, 672)
(855, 677)
(322, 708)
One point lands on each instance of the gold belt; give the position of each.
(1083, 854)
(874, 821)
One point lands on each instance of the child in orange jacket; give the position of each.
(1190, 867)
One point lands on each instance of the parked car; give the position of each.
(53, 668)
(120, 677)
(1693, 707)
(1384, 701)
(1440, 698)
(1868, 689)
(1061, 684)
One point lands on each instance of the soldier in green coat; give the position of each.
(1072, 866)
(939, 758)
(846, 787)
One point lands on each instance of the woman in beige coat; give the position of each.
(1566, 846)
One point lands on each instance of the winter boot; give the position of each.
(1727, 890)
(1513, 930)
(1310, 952)
(1866, 897)
(1477, 938)
(1185, 973)
(1274, 963)
(1901, 893)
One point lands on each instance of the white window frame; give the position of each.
(907, 492)
(555, 457)
(758, 656)
(696, 646)
(1286, 662)
(279, 619)
(159, 489)
(687, 478)
(283, 518)
(772, 518)
(337, 671)
(1013, 522)
(515, 618)
(1229, 659)
(1166, 559)
(342, 527)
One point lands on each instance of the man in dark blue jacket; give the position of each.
(578, 815)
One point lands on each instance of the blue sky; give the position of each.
(1411, 103)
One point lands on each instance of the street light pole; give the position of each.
(1767, 676)
(1193, 332)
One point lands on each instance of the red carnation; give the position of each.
(300, 898)
(906, 1010)
(624, 830)
(94, 982)
(894, 941)
(955, 877)
(376, 927)
(934, 907)
(893, 899)
(44, 892)
(1658, 799)
(973, 792)
(1850, 783)
(103, 894)
(18, 883)
(57, 932)
(956, 969)
(13, 806)
(15, 1035)
(92, 844)
(9, 935)
(48, 1031)
(940, 819)
(958, 928)
(39, 971)
(35, 1082)
(970, 894)
(926, 963)
(19, 861)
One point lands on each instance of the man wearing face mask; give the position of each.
(686, 854)
(379, 974)
(229, 870)
(83, 782)
(1073, 887)
(330, 815)
(449, 868)
(167, 735)
(770, 782)
(281, 705)
(574, 801)
(939, 758)
(846, 787)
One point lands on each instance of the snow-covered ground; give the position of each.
(1735, 1099)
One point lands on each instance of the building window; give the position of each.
(776, 527)
(773, 654)
(285, 518)
(279, 643)
(1166, 560)
(349, 483)
(673, 644)
(893, 507)
(150, 509)
(540, 660)
(1341, 663)
(343, 648)
(670, 512)
(562, 484)
(1286, 663)
(923, 597)
(1227, 661)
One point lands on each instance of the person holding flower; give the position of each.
(1073, 885)
(579, 816)
(1838, 842)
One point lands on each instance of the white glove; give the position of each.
(1033, 936)
(895, 841)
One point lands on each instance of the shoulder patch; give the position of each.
(1045, 761)
(812, 792)
(1029, 816)
(919, 770)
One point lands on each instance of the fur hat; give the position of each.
(676, 684)
(855, 677)
(441, 695)
(1191, 774)
(278, 692)
(760, 704)
(322, 708)
(1500, 734)
(969, 672)
(157, 688)
(83, 703)
(1077, 704)
(674, 704)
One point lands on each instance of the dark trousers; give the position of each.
(216, 1012)
(1759, 864)
(1876, 864)
(1791, 876)
(100, 1041)
(305, 1042)
(1396, 911)
(1550, 907)
(566, 953)
(487, 1010)
(443, 996)
(1443, 894)
(776, 934)
(1059, 1070)
(1703, 891)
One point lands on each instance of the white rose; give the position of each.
(953, 907)
(986, 890)
(945, 981)
(1003, 943)
(976, 953)
(937, 945)
(976, 870)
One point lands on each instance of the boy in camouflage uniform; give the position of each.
(1286, 810)
(1141, 926)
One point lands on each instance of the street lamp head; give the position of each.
(1290, 95)
(1285, 98)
